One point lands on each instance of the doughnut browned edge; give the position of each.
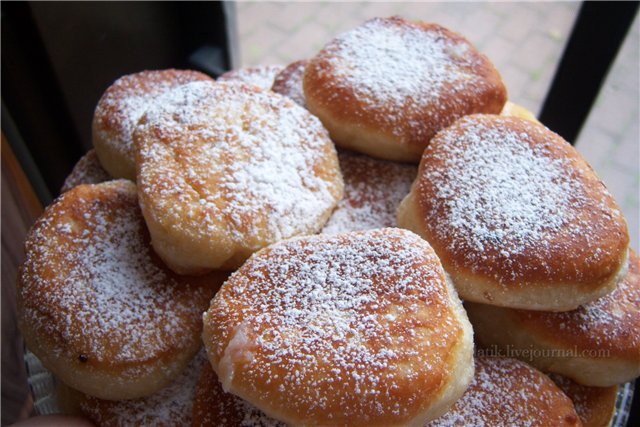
(597, 344)
(385, 132)
(557, 274)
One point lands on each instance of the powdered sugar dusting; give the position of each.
(126, 100)
(339, 325)
(88, 170)
(171, 406)
(610, 322)
(89, 278)
(500, 193)
(407, 73)
(288, 82)
(506, 392)
(249, 158)
(373, 189)
(214, 407)
(261, 76)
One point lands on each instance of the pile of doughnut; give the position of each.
(293, 246)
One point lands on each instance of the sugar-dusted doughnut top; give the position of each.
(261, 75)
(93, 289)
(231, 168)
(610, 323)
(401, 78)
(507, 201)
(348, 329)
(507, 392)
(126, 100)
(373, 189)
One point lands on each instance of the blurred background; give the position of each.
(58, 58)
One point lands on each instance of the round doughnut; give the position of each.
(386, 87)
(119, 110)
(170, 406)
(512, 109)
(96, 305)
(507, 392)
(226, 169)
(357, 329)
(88, 170)
(373, 189)
(517, 216)
(595, 406)
(261, 75)
(288, 82)
(598, 344)
(212, 407)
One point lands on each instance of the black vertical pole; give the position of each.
(597, 35)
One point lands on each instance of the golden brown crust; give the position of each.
(261, 76)
(597, 344)
(212, 407)
(373, 189)
(386, 87)
(507, 392)
(288, 82)
(96, 305)
(595, 406)
(611, 322)
(342, 330)
(88, 170)
(226, 169)
(119, 110)
(170, 406)
(516, 215)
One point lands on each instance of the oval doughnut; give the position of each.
(597, 344)
(88, 170)
(119, 110)
(96, 305)
(357, 329)
(517, 216)
(260, 75)
(507, 392)
(212, 407)
(226, 169)
(288, 82)
(373, 189)
(386, 87)
(169, 406)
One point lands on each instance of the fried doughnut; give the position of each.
(212, 407)
(88, 170)
(288, 82)
(595, 406)
(119, 110)
(373, 189)
(386, 87)
(517, 216)
(95, 304)
(597, 344)
(512, 109)
(170, 406)
(226, 169)
(261, 75)
(507, 392)
(357, 329)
